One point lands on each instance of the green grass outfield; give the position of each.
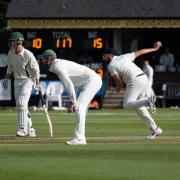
(116, 149)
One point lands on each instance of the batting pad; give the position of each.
(23, 120)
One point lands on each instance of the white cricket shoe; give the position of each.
(21, 133)
(154, 133)
(152, 105)
(76, 142)
(32, 133)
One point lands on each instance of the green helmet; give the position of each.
(16, 36)
(49, 54)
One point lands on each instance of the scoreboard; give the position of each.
(66, 39)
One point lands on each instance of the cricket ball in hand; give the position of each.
(159, 43)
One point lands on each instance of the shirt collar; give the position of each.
(22, 52)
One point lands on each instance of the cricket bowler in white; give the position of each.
(74, 75)
(123, 70)
(25, 68)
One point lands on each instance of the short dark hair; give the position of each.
(110, 51)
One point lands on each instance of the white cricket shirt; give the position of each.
(23, 65)
(125, 67)
(71, 74)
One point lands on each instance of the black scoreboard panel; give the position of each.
(69, 44)
(65, 39)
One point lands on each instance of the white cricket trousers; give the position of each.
(85, 97)
(135, 99)
(22, 93)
